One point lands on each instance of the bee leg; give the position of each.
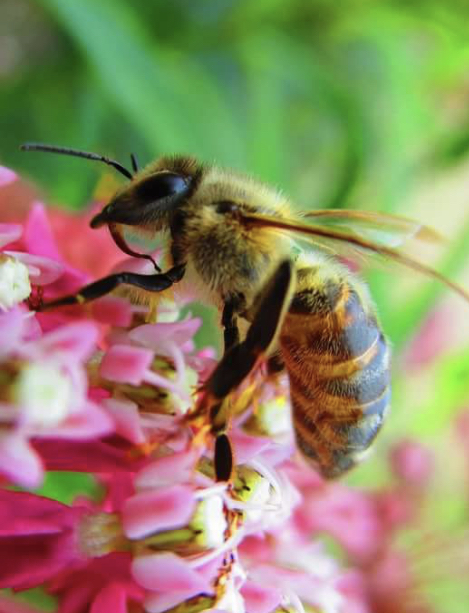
(238, 362)
(101, 287)
(232, 307)
(223, 458)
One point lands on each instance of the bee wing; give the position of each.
(383, 228)
(317, 233)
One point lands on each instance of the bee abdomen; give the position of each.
(338, 363)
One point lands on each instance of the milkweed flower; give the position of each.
(37, 538)
(7, 176)
(105, 390)
(19, 270)
(44, 392)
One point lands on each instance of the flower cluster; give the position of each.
(98, 389)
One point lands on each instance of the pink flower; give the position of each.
(9, 233)
(173, 341)
(37, 538)
(22, 265)
(435, 336)
(350, 516)
(7, 176)
(100, 586)
(80, 253)
(412, 463)
(292, 571)
(166, 508)
(167, 572)
(260, 599)
(109, 455)
(148, 374)
(46, 393)
(88, 389)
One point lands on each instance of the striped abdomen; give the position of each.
(337, 360)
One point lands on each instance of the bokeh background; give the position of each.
(352, 104)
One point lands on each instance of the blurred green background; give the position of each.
(362, 104)
(353, 104)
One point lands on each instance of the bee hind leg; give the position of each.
(101, 287)
(240, 360)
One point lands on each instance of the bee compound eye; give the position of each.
(161, 185)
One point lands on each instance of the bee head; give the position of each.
(153, 194)
(146, 201)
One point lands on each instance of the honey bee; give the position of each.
(239, 244)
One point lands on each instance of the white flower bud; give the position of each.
(210, 520)
(274, 416)
(14, 282)
(44, 393)
(184, 402)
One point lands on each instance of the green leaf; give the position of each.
(66, 486)
(449, 394)
(169, 97)
(36, 597)
(303, 119)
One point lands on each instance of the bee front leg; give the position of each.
(101, 287)
(239, 361)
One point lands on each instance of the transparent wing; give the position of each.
(382, 228)
(358, 242)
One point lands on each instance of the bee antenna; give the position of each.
(77, 153)
(133, 159)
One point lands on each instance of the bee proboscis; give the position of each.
(236, 241)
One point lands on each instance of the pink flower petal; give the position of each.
(348, 515)
(38, 236)
(435, 336)
(23, 513)
(92, 251)
(91, 422)
(144, 267)
(126, 364)
(203, 362)
(7, 176)
(260, 599)
(41, 270)
(38, 538)
(9, 232)
(154, 335)
(86, 456)
(75, 342)
(13, 326)
(173, 468)
(158, 602)
(246, 447)
(163, 509)
(210, 568)
(113, 310)
(77, 587)
(159, 381)
(412, 462)
(167, 572)
(112, 597)
(126, 419)
(68, 283)
(19, 462)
